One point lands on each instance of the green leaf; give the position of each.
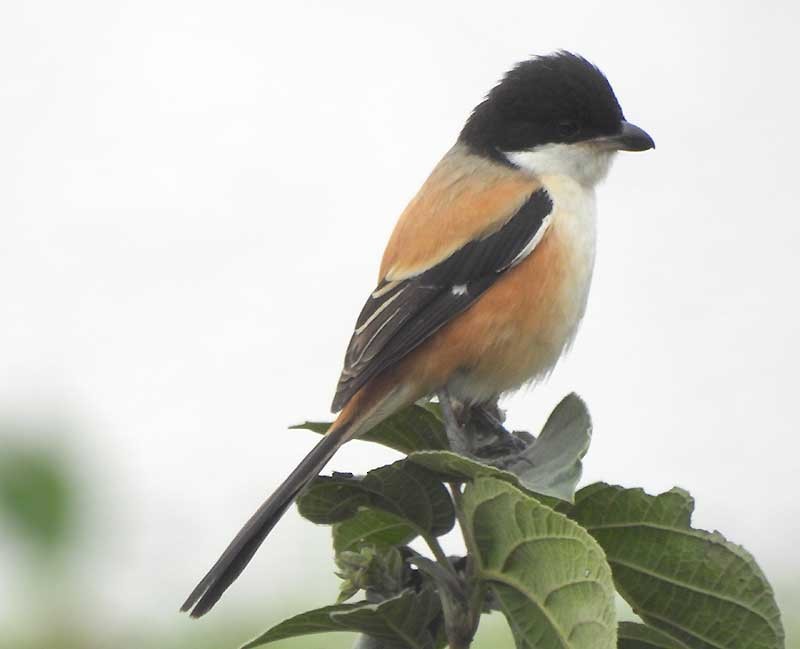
(403, 622)
(550, 466)
(404, 490)
(453, 467)
(631, 635)
(414, 493)
(317, 621)
(331, 499)
(549, 575)
(372, 527)
(459, 622)
(415, 428)
(380, 571)
(694, 585)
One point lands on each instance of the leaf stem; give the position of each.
(476, 588)
(466, 531)
(438, 552)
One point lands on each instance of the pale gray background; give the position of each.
(194, 197)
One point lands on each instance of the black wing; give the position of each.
(400, 315)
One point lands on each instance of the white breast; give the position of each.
(527, 348)
(569, 173)
(574, 223)
(529, 337)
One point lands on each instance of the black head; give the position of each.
(558, 98)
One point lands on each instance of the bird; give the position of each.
(486, 275)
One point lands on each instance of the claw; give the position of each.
(457, 434)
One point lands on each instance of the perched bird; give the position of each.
(484, 279)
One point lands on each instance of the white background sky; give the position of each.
(194, 198)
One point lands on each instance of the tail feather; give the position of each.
(241, 550)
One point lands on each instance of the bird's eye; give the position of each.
(568, 128)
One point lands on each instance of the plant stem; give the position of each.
(438, 552)
(466, 531)
(476, 589)
(476, 602)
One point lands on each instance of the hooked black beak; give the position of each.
(631, 138)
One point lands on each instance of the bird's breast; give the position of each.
(522, 325)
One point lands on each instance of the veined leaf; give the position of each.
(414, 493)
(372, 527)
(695, 585)
(404, 490)
(549, 575)
(331, 499)
(415, 428)
(403, 622)
(632, 635)
(550, 466)
(308, 623)
(453, 467)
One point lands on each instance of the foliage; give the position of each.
(36, 497)
(692, 584)
(551, 560)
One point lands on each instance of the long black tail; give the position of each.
(238, 554)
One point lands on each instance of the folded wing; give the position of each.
(400, 314)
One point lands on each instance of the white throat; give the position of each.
(585, 163)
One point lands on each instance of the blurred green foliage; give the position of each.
(37, 497)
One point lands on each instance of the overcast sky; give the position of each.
(194, 198)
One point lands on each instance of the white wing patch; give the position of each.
(380, 308)
(533, 242)
(377, 331)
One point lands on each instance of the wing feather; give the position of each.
(399, 315)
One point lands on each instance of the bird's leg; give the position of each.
(456, 431)
(489, 418)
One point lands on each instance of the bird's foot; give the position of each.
(497, 440)
(477, 431)
(458, 434)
